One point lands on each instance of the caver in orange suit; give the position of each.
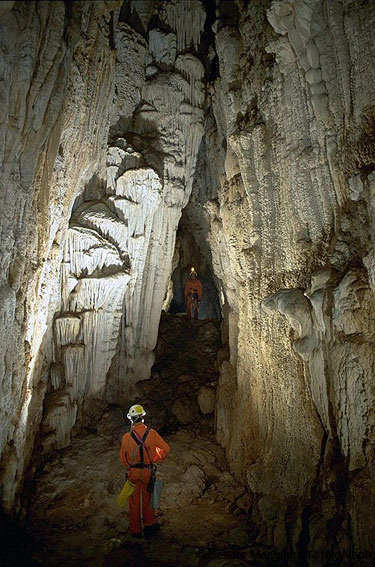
(193, 294)
(139, 467)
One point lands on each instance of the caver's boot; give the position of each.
(138, 536)
(151, 530)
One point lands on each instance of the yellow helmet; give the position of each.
(135, 412)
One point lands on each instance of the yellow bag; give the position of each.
(126, 492)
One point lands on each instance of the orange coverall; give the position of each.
(193, 287)
(155, 451)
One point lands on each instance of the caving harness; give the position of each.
(141, 445)
(142, 465)
(193, 294)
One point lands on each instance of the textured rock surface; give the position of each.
(96, 177)
(258, 118)
(290, 230)
(119, 247)
(57, 70)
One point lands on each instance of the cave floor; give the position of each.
(72, 513)
(74, 516)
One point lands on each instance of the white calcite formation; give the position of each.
(291, 235)
(148, 196)
(119, 246)
(57, 69)
(258, 119)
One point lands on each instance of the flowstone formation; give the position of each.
(57, 78)
(291, 238)
(119, 247)
(107, 171)
(255, 122)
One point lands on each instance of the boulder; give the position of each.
(182, 411)
(194, 481)
(238, 538)
(206, 400)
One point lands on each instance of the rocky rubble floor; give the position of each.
(181, 391)
(72, 513)
(74, 517)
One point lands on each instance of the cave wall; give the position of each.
(57, 69)
(102, 123)
(291, 239)
(120, 243)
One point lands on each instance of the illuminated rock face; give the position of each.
(119, 246)
(96, 179)
(291, 236)
(165, 131)
(258, 118)
(57, 71)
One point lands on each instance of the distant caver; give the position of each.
(193, 294)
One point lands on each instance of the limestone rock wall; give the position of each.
(103, 119)
(119, 247)
(166, 129)
(291, 239)
(55, 114)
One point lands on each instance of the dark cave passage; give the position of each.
(190, 255)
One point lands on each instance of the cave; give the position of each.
(139, 139)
